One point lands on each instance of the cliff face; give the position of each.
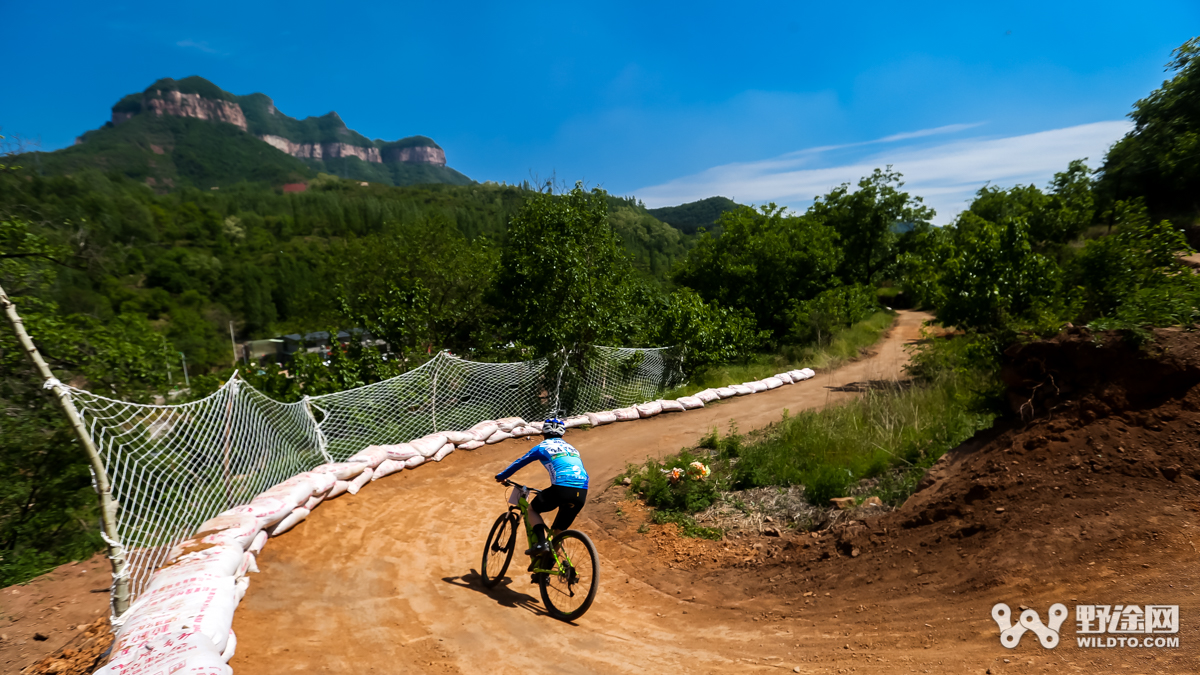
(324, 150)
(421, 154)
(313, 138)
(193, 105)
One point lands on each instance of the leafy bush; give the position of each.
(688, 495)
(817, 319)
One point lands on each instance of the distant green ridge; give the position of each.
(694, 215)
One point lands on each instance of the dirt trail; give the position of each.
(387, 581)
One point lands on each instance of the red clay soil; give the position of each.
(53, 612)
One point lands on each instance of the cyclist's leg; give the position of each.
(571, 501)
(547, 500)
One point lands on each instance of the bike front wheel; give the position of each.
(498, 551)
(569, 591)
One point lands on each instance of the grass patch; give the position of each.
(687, 525)
(845, 345)
(893, 434)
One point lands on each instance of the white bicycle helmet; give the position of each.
(554, 428)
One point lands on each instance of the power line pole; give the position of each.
(233, 343)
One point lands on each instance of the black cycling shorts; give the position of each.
(567, 500)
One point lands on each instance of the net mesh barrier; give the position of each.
(172, 467)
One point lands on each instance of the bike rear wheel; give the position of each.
(570, 592)
(498, 551)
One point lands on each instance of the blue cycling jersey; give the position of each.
(559, 457)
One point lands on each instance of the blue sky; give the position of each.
(669, 102)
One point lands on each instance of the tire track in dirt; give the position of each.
(386, 581)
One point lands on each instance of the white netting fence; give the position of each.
(172, 467)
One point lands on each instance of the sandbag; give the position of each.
(339, 488)
(267, 510)
(601, 418)
(510, 423)
(358, 483)
(373, 455)
(755, 387)
(471, 445)
(727, 392)
(808, 372)
(342, 470)
(414, 462)
(670, 406)
(260, 540)
(741, 390)
(525, 431)
(708, 395)
(400, 452)
(441, 454)
(221, 561)
(429, 445)
(498, 436)
(536, 426)
(458, 437)
(772, 382)
(484, 430)
(649, 409)
(388, 468)
(201, 605)
(291, 491)
(248, 565)
(230, 647)
(784, 378)
(176, 653)
(233, 529)
(626, 414)
(690, 402)
(314, 500)
(576, 421)
(291, 521)
(239, 588)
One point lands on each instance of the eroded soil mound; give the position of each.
(1103, 468)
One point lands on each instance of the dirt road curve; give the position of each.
(384, 582)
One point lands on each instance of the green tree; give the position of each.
(995, 280)
(1135, 273)
(705, 333)
(764, 261)
(1055, 217)
(867, 220)
(1160, 159)
(564, 279)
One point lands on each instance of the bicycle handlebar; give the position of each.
(509, 483)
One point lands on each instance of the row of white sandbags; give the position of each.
(652, 408)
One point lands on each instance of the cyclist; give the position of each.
(568, 483)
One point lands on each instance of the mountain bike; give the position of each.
(568, 576)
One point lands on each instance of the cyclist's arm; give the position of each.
(535, 454)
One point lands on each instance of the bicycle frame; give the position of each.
(522, 505)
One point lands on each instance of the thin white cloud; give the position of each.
(946, 175)
(202, 46)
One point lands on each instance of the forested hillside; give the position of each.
(692, 216)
